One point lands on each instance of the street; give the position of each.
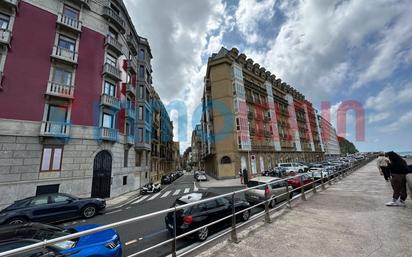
(140, 235)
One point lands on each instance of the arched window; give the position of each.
(225, 160)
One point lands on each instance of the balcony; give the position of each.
(131, 42)
(132, 65)
(85, 3)
(110, 101)
(108, 134)
(64, 54)
(60, 90)
(130, 112)
(114, 44)
(55, 129)
(112, 71)
(5, 37)
(130, 139)
(115, 18)
(131, 89)
(68, 22)
(11, 3)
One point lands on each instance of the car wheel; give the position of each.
(272, 203)
(246, 215)
(300, 171)
(89, 211)
(202, 234)
(17, 220)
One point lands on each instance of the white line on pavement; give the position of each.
(131, 242)
(113, 211)
(153, 197)
(166, 194)
(176, 192)
(195, 187)
(128, 208)
(186, 190)
(140, 199)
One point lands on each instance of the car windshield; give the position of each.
(253, 183)
(285, 165)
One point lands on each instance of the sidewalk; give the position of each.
(348, 219)
(212, 182)
(120, 200)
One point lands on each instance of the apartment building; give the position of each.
(196, 142)
(330, 141)
(75, 99)
(252, 120)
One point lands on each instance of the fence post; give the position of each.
(174, 234)
(330, 177)
(302, 189)
(322, 180)
(313, 183)
(267, 196)
(234, 237)
(288, 194)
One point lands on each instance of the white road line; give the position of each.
(195, 189)
(140, 199)
(166, 194)
(113, 211)
(187, 190)
(153, 197)
(131, 242)
(128, 208)
(176, 192)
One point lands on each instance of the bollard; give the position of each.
(330, 179)
(234, 237)
(302, 189)
(288, 194)
(174, 234)
(267, 215)
(313, 183)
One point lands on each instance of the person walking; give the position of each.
(241, 176)
(245, 176)
(382, 162)
(398, 170)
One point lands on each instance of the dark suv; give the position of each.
(51, 208)
(201, 214)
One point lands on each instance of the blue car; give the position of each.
(101, 244)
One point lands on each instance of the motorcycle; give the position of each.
(150, 189)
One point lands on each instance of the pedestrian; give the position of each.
(245, 176)
(382, 162)
(241, 176)
(398, 170)
(409, 180)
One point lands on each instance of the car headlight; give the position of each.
(3, 214)
(113, 244)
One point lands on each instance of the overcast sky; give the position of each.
(333, 51)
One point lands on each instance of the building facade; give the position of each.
(252, 120)
(196, 161)
(75, 99)
(329, 138)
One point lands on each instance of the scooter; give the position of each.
(150, 189)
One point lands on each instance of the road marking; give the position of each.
(153, 197)
(130, 242)
(176, 192)
(187, 190)
(140, 199)
(195, 189)
(113, 211)
(128, 208)
(166, 194)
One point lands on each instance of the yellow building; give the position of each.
(252, 120)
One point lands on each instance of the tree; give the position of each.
(346, 147)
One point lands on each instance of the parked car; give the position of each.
(201, 177)
(150, 188)
(275, 172)
(9, 244)
(106, 243)
(277, 187)
(51, 208)
(293, 167)
(166, 179)
(303, 180)
(201, 214)
(319, 173)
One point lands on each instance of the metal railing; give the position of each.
(303, 190)
(112, 71)
(5, 36)
(64, 54)
(60, 90)
(55, 129)
(69, 22)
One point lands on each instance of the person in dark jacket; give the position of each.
(245, 176)
(398, 170)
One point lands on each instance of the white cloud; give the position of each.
(248, 16)
(404, 121)
(378, 117)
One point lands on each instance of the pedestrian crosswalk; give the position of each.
(164, 194)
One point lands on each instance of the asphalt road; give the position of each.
(143, 234)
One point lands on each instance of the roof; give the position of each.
(194, 197)
(264, 179)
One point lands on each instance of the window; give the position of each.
(4, 21)
(70, 12)
(109, 89)
(52, 158)
(141, 55)
(126, 158)
(113, 33)
(147, 95)
(40, 200)
(62, 76)
(137, 159)
(140, 112)
(110, 59)
(222, 201)
(141, 91)
(141, 72)
(211, 204)
(67, 43)
(140, 135)
(60, 198)
(237, 124)
(57, 116)
(47, 189)
(107, 120)
(124, 180)
(147, 136)
(225, 160)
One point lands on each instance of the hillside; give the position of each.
(346, 146)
